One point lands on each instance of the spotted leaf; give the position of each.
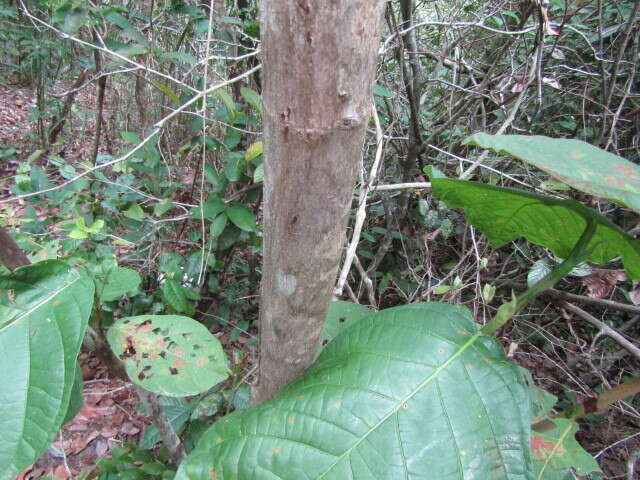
(169, 354)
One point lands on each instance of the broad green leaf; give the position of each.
(254, 151)
(340, 315)
(75, 398)
(175, 295)
(504, 214)
(573, 162)
(43, 317)
(252, 98)
(218, 225)
(169, 354)
(119, 281)
(211, 208)
(258, 173)
(412, 392)
(242, 217)
(557, 451)
(177, 410)
(134, 212)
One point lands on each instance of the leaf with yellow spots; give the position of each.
(390, 397)
(169, 354)
(573, 162)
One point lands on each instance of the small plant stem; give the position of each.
(165, 429)
(579, 254)
(592, 405)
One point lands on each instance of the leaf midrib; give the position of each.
(401, 402)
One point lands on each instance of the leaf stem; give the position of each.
(579, 254)
(592, 405)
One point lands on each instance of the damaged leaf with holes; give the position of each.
(411, 392)
(169, 354)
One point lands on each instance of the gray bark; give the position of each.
(319, 63)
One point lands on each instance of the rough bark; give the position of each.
(319, 62)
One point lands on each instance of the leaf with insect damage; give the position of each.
(170, 355)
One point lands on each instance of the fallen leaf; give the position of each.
(601, 281)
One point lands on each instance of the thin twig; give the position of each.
(361, 213)
(157, 127)
(604, 328)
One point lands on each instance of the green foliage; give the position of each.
(169, 354)
(573, 162)
(178, 412)
(44, 309)
(556, 452)
(340, 315)
(406, 392)
(504, 214)
(134, 463)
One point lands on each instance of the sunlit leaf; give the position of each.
(254, 151)
(169, 354)
(573, 162)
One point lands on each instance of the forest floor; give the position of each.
(110, 415)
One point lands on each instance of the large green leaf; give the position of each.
(557, 451)
(118, 282)
(410, 392)
(242, 217)
(574, 162)
(169, 354)
(340, 315)
(43, 317)
(504, 214)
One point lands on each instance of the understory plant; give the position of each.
(406, 392)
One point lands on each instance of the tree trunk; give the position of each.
(319, 62)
